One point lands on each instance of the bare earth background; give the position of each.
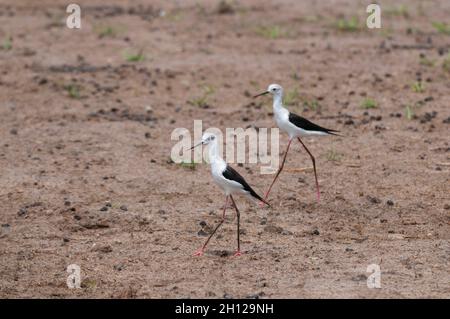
(86, 176)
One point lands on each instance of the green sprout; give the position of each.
(409, 113)
(348, 25)
(418, 87)
(291, 97)
(427, 62)
(135, 57)
(446, 63)
(7, 44)
(369, 103)
(202, 101)
(333, 156)
(398, 11)
(73, 90)
(442, 27)
(106, 31)
(190, 165)
(270, 32)
(313, 105)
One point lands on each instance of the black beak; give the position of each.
(196, 146)
(263, 93)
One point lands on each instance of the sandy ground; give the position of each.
(86, 176)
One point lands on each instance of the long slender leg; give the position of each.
(202, 250)
(314, 166)
(279, 171)
(238, 214)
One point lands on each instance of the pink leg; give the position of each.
(202, 250)
(279, 171)
(314, 166)
(238, 252)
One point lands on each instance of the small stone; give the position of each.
(104, 209)
(118, 267)
(390, 202)
(273, 229)
(22, 212)
(447, 206)
(373, 200)
(202, 233)
(316, 232)
(202, 223)
(124, 208)
(361, 277)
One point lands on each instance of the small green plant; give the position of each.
(270, 32)
(427, 62)
(174, 15)
(313, 105)
(348, 25)
(291, 97)
(333, 156)
(369, 103)
(190, 165)
(442, 27)
(202, 101)
(7, 44)
(73, 90)
(409, 113)
(134, 57)
(106, 31)
(446, 63)
(398, 11)
(418, 87)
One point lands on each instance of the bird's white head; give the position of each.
(206, 139)
(274, 89)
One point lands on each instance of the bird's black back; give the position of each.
(307, 125)
(231, 174)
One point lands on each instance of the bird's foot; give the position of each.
(199, 252)
(237, 253)
(262, 204)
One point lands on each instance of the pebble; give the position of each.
(124, 208)
(22, 212)
(273, 229)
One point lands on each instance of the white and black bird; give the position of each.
(231, 183)
(295, 126)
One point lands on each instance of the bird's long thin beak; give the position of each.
(263, 93)
(198, 144)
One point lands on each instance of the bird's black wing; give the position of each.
(307, 125)
(231, 174)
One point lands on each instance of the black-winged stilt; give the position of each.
(230, 181)
(295, 126)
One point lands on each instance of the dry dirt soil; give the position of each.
(86, 178)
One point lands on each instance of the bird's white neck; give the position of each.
(215, 160)
(214, 154)
(277, 103)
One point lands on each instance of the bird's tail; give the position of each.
(261, 199)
